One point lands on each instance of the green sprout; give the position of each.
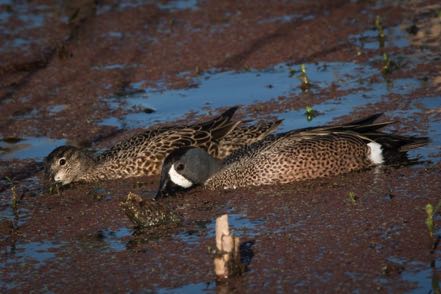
(429, 218)
(379, 27)
(431, 211)
(310, 113)
(388, 65)
(305, 83)
(352, 197)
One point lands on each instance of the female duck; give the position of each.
(143, 154)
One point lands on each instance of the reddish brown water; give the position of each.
(89, 75)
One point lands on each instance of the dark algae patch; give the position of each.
(89, 74)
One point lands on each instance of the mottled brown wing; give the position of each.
(157, 140)
(219, 127)
(245, 135)
(126, 148)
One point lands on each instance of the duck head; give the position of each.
(184, 169)
(67, 164)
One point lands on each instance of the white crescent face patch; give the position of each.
(178, 179)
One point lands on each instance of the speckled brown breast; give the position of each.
(293, 159)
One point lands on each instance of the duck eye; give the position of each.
(62, 161)
(180, 167)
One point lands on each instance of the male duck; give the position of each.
(288, 157)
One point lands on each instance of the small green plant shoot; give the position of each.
(352, 197)
(431, 211)
(310, 113)
(305, 83)
(379, 27)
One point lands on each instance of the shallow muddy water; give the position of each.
(90, 74)
(28, 148)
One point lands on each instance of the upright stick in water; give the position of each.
(227, 261)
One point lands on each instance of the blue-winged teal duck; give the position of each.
(143, 154)
(288, 157)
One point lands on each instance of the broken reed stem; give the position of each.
(227, 260)
(222, 229)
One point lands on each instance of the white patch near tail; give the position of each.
(375, 153)
(178, 179)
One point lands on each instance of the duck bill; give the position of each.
(167, 188)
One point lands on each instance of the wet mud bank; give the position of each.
(92, 73)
